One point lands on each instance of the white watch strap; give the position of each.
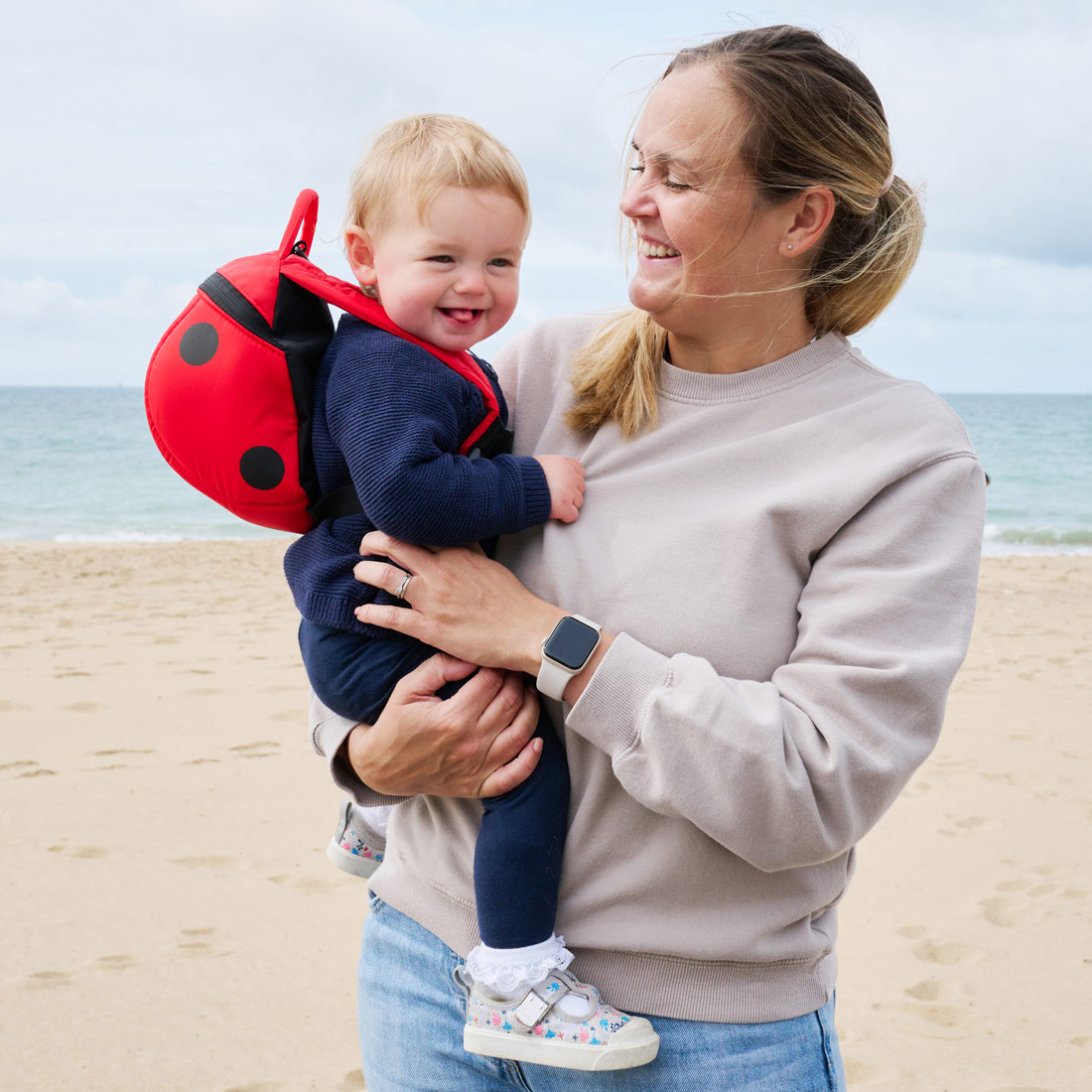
(554, 677)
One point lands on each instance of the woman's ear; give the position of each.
(358, 248)
(813, 210)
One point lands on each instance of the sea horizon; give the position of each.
(82, 467)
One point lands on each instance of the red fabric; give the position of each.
(209, 415)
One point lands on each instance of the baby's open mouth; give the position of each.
(462, 314)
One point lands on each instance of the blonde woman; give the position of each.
(752, 628)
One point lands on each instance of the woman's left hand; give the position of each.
(460, 601)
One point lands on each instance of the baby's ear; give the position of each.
(358, 247)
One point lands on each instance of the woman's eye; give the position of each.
(675, 187)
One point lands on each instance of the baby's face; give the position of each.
(451, 279)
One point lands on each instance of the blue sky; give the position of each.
(146, 144)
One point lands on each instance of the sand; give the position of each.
(170, 920)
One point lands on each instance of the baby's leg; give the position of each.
(522, 1002)
(517, 862)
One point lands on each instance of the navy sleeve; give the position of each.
(398, 416)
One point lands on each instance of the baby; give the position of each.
(439, 215)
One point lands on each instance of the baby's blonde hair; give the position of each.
(422, 154)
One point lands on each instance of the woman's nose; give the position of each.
(636, 202)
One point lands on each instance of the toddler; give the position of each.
(439, 215)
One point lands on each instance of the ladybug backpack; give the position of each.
(229, 389)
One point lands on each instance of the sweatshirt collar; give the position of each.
(686, 386)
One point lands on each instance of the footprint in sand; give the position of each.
(353, 1081)
(204, 862)
(26, 767)
(945, 954)
(115, 962)
(90, 853)
(938, 1005)
(263, 748)
(307, 884)
(199, 943)
(44, 980)
(1026, 901)
(82, 707)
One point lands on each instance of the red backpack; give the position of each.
(229, 387)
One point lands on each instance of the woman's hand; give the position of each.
(476, 743)
(461, 602)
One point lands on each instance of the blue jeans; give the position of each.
(411, 1016)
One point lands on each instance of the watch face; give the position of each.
(571, 643)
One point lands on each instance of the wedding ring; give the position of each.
(401, 592)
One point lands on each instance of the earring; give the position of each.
(788, 246)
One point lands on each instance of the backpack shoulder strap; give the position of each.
(348, 297)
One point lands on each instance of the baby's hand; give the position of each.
(565, 478)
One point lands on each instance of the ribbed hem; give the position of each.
(722, 991)
(337, 613)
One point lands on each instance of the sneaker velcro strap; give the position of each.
(534, 1006)
(532, 1009)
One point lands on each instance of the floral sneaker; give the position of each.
(355, 848)
(597, 1037)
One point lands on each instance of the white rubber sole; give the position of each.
(353, 863)
(635, 1044)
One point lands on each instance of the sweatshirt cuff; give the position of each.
(609, 713)
(328, 735)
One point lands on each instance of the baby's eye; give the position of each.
(446, 258)
(503, 263)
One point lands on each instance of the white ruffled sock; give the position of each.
(508, 973)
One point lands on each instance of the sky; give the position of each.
(147, 144)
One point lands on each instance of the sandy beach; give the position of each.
(170, 920)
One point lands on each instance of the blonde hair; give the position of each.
(422, 154)
(813, 119)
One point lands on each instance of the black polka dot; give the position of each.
(262, 468)
(199, 343)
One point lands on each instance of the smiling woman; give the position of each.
(773, 581)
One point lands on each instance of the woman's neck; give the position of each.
(747, 341)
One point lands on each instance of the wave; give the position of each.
(1034, 539)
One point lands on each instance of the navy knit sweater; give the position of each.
(390, 417)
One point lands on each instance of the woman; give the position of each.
(780, 545)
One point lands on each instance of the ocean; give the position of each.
(79, 465)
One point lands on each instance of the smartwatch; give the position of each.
(565, 653)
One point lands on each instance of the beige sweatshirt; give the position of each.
(789, 559)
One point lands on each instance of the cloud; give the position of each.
(147, 144)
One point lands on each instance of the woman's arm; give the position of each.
(476, 743)
(783, 772)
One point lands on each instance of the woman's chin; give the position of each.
(651, 297)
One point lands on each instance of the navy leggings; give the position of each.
(517, 860)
